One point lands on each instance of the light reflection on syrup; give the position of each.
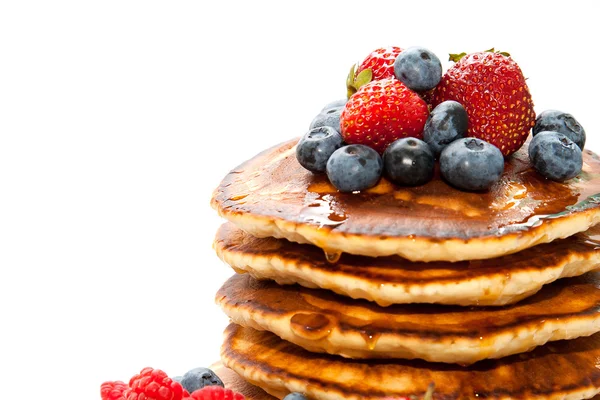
(332, 256)
(312, 326)
(371, 338)
(514, 194)
(323, 210)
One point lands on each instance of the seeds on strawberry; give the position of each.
(382, 112)
(493, 90)
(378, 65)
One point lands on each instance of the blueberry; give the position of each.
(197, 378)
(295, 396)
(335, 104)
(558, 121)
(446, 123)
(177, 378)
(329, 117)
(354, 167)
(471, 164)
(418, 68)
(316, 146)
(555, 156)
(409, 162)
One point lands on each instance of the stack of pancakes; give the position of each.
(384, 293)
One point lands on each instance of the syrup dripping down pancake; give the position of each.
(393, 280)
(321, 321)
(271, 195)
(561, 370)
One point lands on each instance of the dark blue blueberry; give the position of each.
(446, 123)
(334, 104)
(197, 378)
(471, 164)
(329, 117)
(418, 68)
(295, 396)
(409, 162)
(354, 167)
(555, 156)
(316, 146)
(562, 122)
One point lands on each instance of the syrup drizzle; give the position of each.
(323, 210)
(313, 326)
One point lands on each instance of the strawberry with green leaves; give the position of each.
(493, 90)
(376, 66)
(381, 112)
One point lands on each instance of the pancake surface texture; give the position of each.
(272, 195)
(321, 321)
(563, 370)
(393, 280)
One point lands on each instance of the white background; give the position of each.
(118, 119)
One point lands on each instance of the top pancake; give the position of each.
(272, 195)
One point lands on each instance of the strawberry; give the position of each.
(492, 89)
(381, 112)
(378, 65)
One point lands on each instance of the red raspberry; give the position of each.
(113, 390)
(215, 393)
(154, 384)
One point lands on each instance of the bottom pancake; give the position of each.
(562, 370)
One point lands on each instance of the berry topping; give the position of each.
(353, 168)
(558, 121)
(198, 378)
(471, 164)
(215, 393)
(446, 123)
(382, 112)
(329, 117)
(113, 390)
(154, 384)
(418, 68)
(334, 104)
(295, 396)
(555, 156)
(378, 65)
(493, 90)
(409, 162)
(316, 146)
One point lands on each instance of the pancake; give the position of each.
(563, 370)
(272, 195)
(233, 381)
(393, 280)
(321, 321)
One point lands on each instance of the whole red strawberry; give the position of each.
(380, 62)
(381, 112)
(378, 65)
(493, 90)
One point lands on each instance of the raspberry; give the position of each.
(113, 390)
(215, 393)
(154, 384)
